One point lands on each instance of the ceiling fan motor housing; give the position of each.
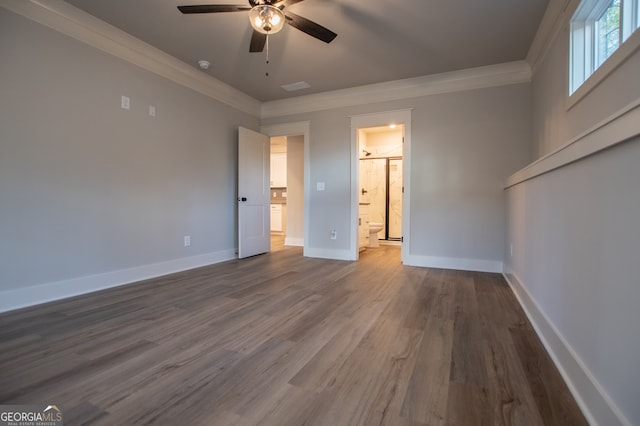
(255, 3)
(266, 19)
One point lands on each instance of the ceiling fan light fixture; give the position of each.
(266, 19)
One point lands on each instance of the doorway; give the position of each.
(380, 183)
(287, 191)
(291, 191)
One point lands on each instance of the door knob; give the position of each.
(242, 198)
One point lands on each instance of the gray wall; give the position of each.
(576, 240)
(464, 145)
(87, 187)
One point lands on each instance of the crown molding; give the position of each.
(71, 21)
(556, 17)
(469, 79)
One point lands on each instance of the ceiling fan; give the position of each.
(267, 17)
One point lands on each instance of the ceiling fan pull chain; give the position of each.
(267, 48)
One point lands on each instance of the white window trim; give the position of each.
(591, 9)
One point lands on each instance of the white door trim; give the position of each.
(403, 117)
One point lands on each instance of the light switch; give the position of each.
(125, 102)
(152, 111)
(320, 186)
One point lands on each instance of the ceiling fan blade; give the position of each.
(212, 8)
(310, 27)
(258, 41)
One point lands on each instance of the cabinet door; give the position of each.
(272, 172)
(279, 170)
(276, 218)
(363, 227)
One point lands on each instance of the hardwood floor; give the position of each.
(277, 242)
(280, 339)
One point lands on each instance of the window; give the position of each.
(598, 29)
(608, 32)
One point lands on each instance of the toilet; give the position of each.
(374, 228)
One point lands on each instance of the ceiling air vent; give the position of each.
(296, 86)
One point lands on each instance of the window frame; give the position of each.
(584, 73)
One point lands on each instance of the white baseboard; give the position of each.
(42, 293)
(299, 242)
(596, 405)
(453, 263)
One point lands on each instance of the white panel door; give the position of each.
(253, 193)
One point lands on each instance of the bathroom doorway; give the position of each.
(380, 182)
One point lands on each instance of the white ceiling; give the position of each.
(377, 40)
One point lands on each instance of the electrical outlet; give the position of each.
(187, 240)
(152, 111)
(334, 234)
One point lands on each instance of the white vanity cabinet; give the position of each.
(363, 226)
(276, 218)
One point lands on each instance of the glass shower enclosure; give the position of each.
(381, 186)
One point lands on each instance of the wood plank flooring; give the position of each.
(280, 339)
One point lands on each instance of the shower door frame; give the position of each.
(388, 200)
(387, 189)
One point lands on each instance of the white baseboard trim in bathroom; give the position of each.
(298, 242)
(453, 263)
(48, 292)
(596, 405)
(328, 254)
